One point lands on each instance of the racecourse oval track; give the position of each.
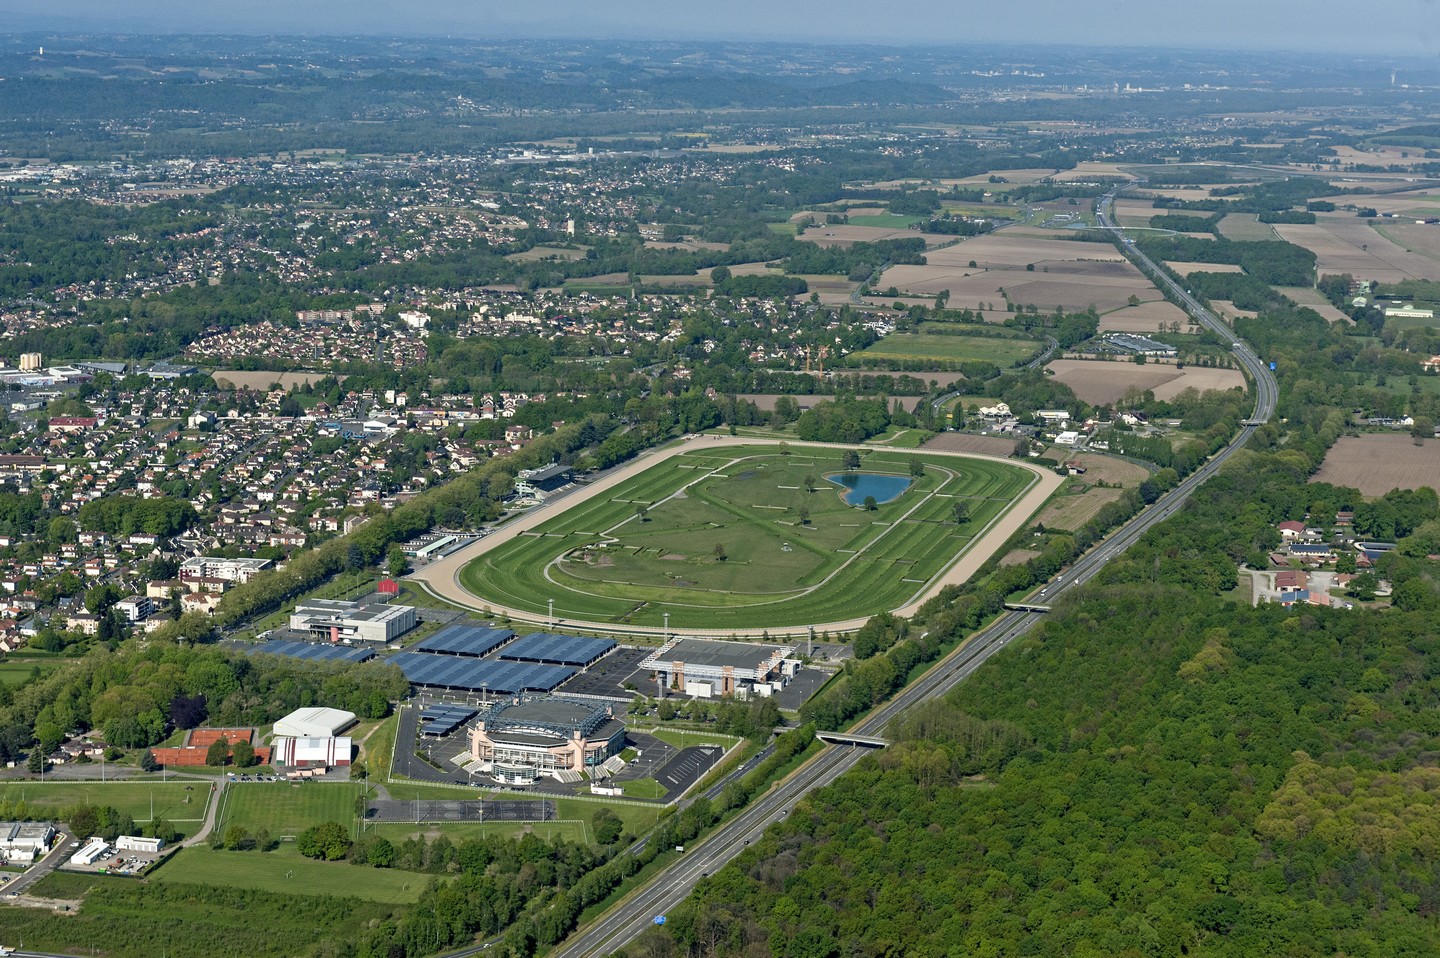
(441, 578)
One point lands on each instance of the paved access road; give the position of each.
(58, 853)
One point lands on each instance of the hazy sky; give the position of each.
(1404, 27)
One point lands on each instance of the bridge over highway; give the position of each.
(846, 738)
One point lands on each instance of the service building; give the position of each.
(335, 621)
(704, 668)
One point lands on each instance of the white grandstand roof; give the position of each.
(315, 723)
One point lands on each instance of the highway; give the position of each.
(623, 923)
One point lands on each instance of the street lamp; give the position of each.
(667, 626)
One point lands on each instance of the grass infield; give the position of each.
(724, 541)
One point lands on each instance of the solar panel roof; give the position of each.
(444, 712)
(562, 649)
(456, 672)
(315, 651)
(463, 639)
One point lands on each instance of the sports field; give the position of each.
(286, 808)
(174, 801)
(724, 542)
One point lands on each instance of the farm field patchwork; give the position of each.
(1100, 381)
(1066, 274)
(1351, 245)
(1145, 318)
(722, 543)
(1377, 463)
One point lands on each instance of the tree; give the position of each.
(380, 852)
(810, 481)
(850, 460)
(870, 504)
(237, 837)
(1345, 563)
(607, 826)
(148, 762)
(218, 753)
(961, 509)
(397, 562)
(642, 513)
(917, 468)
(37, 761)
(784, 448)
(243, 753)
(720, 555)
(804, 515)
(325, 841)
(720, 274)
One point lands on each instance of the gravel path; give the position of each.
(441, 578)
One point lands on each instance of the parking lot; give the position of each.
(675, 769)
(459, 810)
(609, 675)
(688, 767)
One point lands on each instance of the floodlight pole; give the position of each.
(667, 626)
(550, 605)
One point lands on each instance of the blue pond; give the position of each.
(858, 485)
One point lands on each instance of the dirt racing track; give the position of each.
(441, 578)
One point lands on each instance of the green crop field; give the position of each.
(172, 800)
(994, 349)
(286, 871)
(723, 544)
(285, 808)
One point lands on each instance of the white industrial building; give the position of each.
(336, 621)
(139, 843)
(327, 751)
(91, 852)
(23, 842)
(704, 668)
(315, 723)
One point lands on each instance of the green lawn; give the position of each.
(642, 788)
(892, 221)
(286, 871)
(684, 738)
(285, 808)
(172, 800)
(928, 346)
(19, 669)
(600, 561)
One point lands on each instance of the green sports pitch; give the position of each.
(719, 539)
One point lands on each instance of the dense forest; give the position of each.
(1157, 771)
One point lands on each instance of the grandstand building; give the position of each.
(705, 668)
(522, 740)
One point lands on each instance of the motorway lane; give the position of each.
(627, 920)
